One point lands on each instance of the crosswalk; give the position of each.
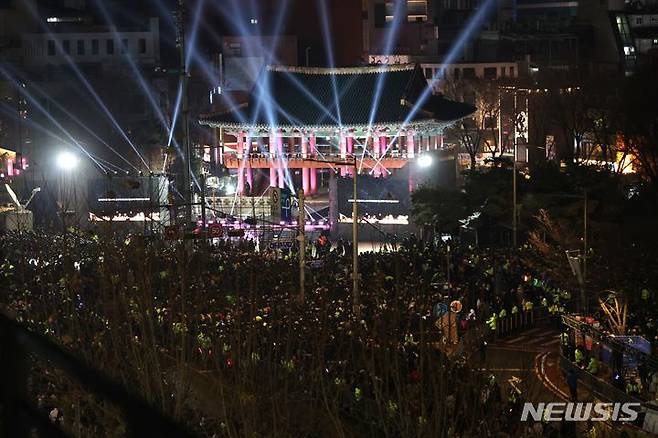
(538, 340)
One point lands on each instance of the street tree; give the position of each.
(478, 132)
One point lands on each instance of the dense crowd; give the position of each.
(215, 335)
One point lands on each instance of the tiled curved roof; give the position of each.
(305, 97)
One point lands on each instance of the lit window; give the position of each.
(416, 10)
(254, 21)
(236, 49)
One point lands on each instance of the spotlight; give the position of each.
(67, 161)
(425, 160)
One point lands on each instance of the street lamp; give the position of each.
(67, 161)
(356, 294)
(425, 160)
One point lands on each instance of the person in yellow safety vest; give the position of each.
(632, 388)
(528, 306)
(515, 309)
(579, 356)
(593, 366)
(491, 322)
(544, 302)
(645, 294)
(502, 314)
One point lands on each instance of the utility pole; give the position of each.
(585, 237)
(187, 174)
(356, 307)
(356, 298)
(302, 246)
(584, 285)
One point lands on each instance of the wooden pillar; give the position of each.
(313, 171)
(306, 173)
(250, 175)
(411, 152)
(241, 161)
(279, 167)
(350, 151)
(271, 146)
(343, 153)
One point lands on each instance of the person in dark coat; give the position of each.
(572, 381)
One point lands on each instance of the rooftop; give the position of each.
(302, 97)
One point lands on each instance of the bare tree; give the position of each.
(615, 308)
(478, 132)
(568, 109)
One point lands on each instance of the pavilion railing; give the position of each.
(18, 415)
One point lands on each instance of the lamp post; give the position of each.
(356, 294)
(66, 162)
(302, 246)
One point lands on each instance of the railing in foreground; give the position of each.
(18, 416)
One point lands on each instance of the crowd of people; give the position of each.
(217, 336)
